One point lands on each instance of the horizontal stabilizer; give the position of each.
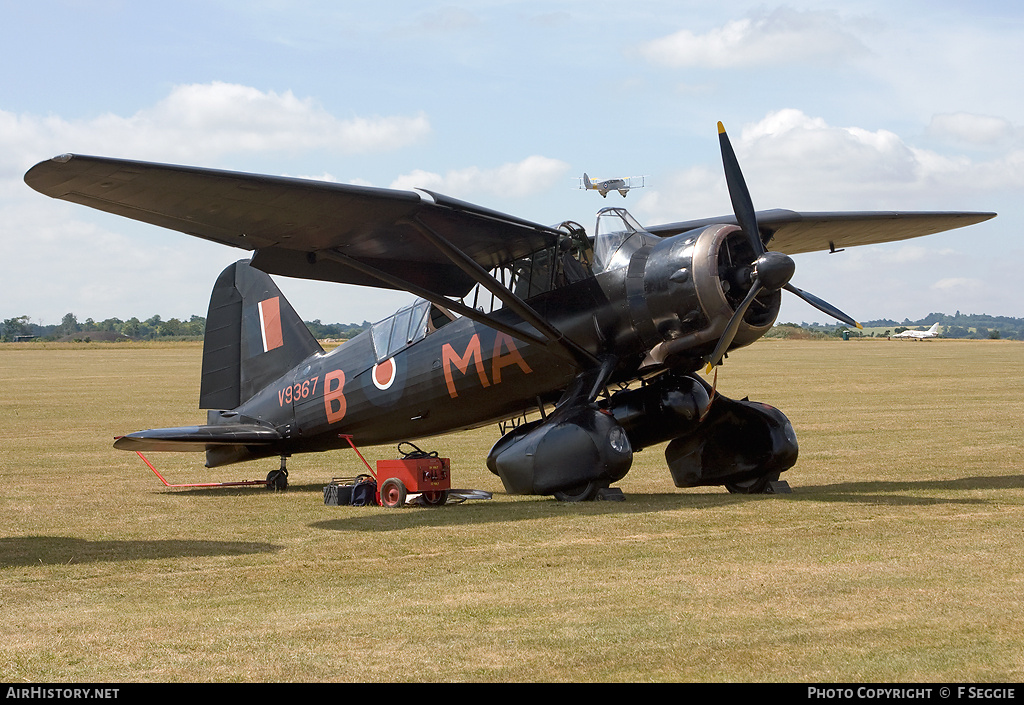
(198, 438)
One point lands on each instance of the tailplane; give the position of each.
(253, 336)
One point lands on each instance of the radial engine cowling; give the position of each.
(571, 449)
(692, 286)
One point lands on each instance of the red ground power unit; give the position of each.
(429, 476)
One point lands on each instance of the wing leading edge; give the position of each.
(300, 228)
(795, 233)
(388, 238)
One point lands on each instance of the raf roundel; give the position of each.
(383, 374)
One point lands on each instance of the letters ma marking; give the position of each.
(499, 360)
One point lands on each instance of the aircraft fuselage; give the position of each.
(462, 375)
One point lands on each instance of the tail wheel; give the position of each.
(277, 480)
(392, 493)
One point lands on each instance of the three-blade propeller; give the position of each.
(771, 271)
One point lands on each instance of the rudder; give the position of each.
(253, 336)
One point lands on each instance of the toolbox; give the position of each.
(351, 491)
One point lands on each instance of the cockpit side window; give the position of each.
(400, 332)
(409, 325)
(565, 262)
(381, 335)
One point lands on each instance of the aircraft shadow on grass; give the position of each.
(65, 550)
(900, 492)
(876, 493)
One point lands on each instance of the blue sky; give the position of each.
(853, 105)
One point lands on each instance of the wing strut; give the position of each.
(432, 297)
(513, 302)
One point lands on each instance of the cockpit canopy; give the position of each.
(617, 236)
(404, 328)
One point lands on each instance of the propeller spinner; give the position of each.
(770, 271)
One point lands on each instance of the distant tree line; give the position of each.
(154, 328)
(977, 326)
(972, 326)
(336, 331)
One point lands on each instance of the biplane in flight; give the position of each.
(623, 185)
(600, 333)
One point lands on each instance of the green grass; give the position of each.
(897, 557)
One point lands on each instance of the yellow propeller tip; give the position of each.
(860, 327)
(710, 367)
(721, 128)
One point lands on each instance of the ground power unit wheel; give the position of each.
(392, 493)
(435, 498)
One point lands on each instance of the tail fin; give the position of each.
(587, 183)
(253, 336)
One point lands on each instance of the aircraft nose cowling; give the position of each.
(562, 453)
(693, 287)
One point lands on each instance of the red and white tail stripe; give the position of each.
(270, 323)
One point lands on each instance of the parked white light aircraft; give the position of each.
(932, 332)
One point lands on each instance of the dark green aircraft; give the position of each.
(601, 334)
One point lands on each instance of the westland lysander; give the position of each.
(600, 332)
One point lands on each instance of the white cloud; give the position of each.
(793, 160)
(898, 280)
(968, 128)
(94, 266)
(783, 36)
(696, 192)
(958, 284)
(531, 175)
(198, 121)
(791, 136)
(791, 155)
(800, 153)
(447, 19)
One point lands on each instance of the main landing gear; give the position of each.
(588, 491)
(766, 484)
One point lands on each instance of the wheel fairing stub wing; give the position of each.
(795, 233)
(289, 220)
(198, 438)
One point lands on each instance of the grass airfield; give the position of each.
(898, 557)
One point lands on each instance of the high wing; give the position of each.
(794, 233)
(301, 228)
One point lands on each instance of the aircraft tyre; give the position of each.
(435, 499)
(277, 480)
(756, 485)
(392, 493)
(582, 493)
